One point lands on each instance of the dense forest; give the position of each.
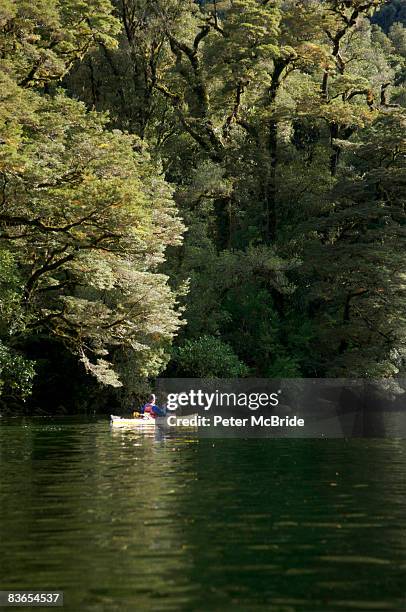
(209, 189)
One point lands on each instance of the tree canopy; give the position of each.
(86, 216)
(276, 130)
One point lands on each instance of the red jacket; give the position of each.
(149, 409)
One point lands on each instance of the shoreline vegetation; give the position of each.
(198, 189)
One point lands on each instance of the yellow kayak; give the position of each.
(141, 422)
(145, 422)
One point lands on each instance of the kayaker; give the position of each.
(151, 409)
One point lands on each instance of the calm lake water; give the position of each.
(122, 521)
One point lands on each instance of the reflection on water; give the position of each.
(123, 521)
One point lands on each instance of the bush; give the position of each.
(16, 374)
(208, 357)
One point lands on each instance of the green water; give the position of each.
(121, 521)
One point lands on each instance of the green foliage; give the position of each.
(391, 12)
(208, 357)
(85, 213)
(11, 289)
(88, 220)
(41, 39)
(279, 125)
(248, 44)
(277, 131)
(362, 328)
(16, 374)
